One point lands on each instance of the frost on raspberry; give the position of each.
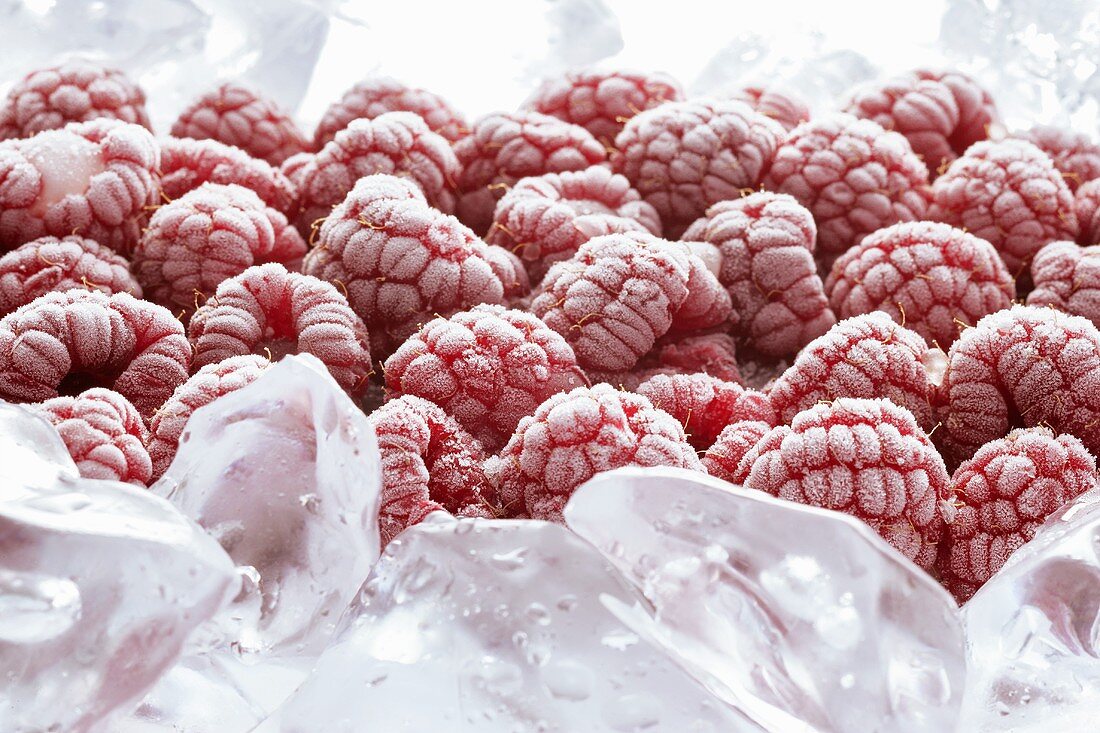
(429, 463)
(64, 343)
(203, 387)
(186, 164)
(378, 95)
(865, 356)
(1074, 154)
(1009, 194)
(705, 405)
(92, 179)
(685, 156)
(575, 435)
(602, 101)
(929, 277)
(764, 244)
(1066, 277)
(1087, 206)
(545, 219)
(1003, 494)
(503, 148)
(103, 433)
(693, 353)
(239, 116)
(77, 91)
(1021, 367)
(775, 103)
(268, 310)
(49, 264)
(206, 236)
(723, 457)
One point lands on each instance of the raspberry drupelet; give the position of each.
(1075, 155)
(775, 103)
(1066, 277)
(705, 405)
(724, 455)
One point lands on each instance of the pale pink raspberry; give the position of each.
(1086, 204)
(1075, 155)
(186, 164)
(775, 103)
(705, 405)
(723, 457)
(1066, 277)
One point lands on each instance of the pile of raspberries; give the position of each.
(889, 310)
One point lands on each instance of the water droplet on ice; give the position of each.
(568, 680)
(36, 608)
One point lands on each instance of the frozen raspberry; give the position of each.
(928, 277)
(602, 101)
(77, 91)
(206, 385)
(401, 262)
(545, 219)
(50, 264)
(92, 179)
(764, 245)
(63, 343)
(724, 456)
(1003, 494)
(777, 104)
(187, 164)
(267, 310)
(705, 405)
(429, 463)
(865, 356)
(685, 156)
(1021, 367)
(1075, 155)
(206, 236)
(1087, 206)
(503, 148)
(236, 115)
(103, 433)
(1009, 194)
(376, 96)
(708, 353)
(575, 435)
(1066, 277)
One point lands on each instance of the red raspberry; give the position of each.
(724, 456)
(545, 219)
(373, 97)
(62, 343)
(685, 156)
(853, 176)
(1003, 494)
(602, 101)
(1075, 155)
(977, 113)
(488, 367)
(187, 164)
(103, 433)
(865, 356)
(268, 310)
(575, 435)
(93, 179)
(705, 405)
(1066, 277)
(400, 261)
(710, 353)
(928, 277)
(236, 115)
(1009, 194)
(77, 91)
(764, 245)
(777, 104)
(503, 148)
(429, 463)
(50, 264)
(1087, 207)
(1022, 367)
(206, 236)
(206, 385)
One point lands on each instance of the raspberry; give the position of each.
(928, 277)
(373, 97)
(1009, 194)
(1066, 277)
(1075, 155)
(724, 456)
(602, 101)
(206, 236)
(503, 148)
(684, 156)
(429, 463)
(705, 405)
(103, 433)
(93, 179)
(488, 367)
(1022, 367)
(865, 356)
(206, 385)
(236, 115)
(50, 264)
(709, 353)
(1087, 207)
(1004, 493)
(575, 435)
(77, 91)
(266, 309)
(396, 143)
(545, 219)
(187, 164)
(63, 343)
(400, 261)
(777, 104)
(764, 244)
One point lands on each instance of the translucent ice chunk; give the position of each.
(67, 163)
(802, 618)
